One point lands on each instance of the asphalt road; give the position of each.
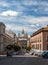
(23, 61)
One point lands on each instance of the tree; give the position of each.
(9, 47)
(28, 48)
(16, 48)
(13, 47)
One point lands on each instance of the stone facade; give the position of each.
(2, 33)
(6, 37)
(39, 39)
(23, 39)
(12, 35)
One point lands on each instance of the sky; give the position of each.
(29, 15)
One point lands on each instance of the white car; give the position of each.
(15, 53)
(26, 53)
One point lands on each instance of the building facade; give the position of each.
(23, 39)
(6, 37)
(12, 35)
(2, 33)
(39, 39)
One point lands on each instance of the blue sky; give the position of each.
(29, 15)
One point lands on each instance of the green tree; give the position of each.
(9, 47)
(13, 47)
(16, 48)
(28, 48)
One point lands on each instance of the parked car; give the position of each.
(15, 53)
(45, 54)
(31, 53)
(36, 53)
(26, 53)
(40, 53)
(9, 53)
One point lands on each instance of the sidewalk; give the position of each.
(24, 56)
(19, 56)
(2, 55)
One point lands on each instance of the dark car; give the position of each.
(32, 53)
(45, 54)
(9, 53)
(40, 53)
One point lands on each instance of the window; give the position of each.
(37, 46)
(40, 46)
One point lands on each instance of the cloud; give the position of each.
(36, 6)
(30, 2)
(9, 13)
(4, 4)
(19, 28)
(34, 20)
(40, 20)
(33, 24)
(34, 2)
(27, 14)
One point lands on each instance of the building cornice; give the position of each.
(39, 31)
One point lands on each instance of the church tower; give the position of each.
(18, 34)
(22, 31)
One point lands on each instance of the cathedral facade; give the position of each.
(23, 39)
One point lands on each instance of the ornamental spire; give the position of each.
(22, 31)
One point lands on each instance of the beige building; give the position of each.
(6, 37)
(39, 39)
(23, 39)
(12, 35)
(2, 33)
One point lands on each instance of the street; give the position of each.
(23, 60)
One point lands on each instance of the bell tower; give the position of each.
(22, 31)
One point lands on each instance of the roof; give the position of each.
(39, 31)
